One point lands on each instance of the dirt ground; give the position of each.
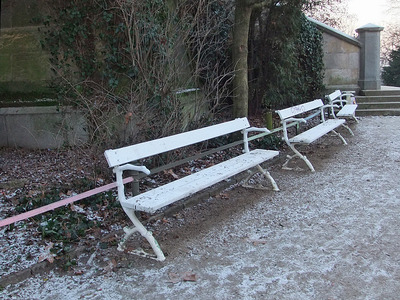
(332, 234)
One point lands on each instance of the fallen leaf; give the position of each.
(128, 117)
(174, 278)
(224, 196)
(170, 172)
(188, 276)
(79, 272)
(47, 255)
(257, 242)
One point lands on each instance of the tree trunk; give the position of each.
(240, 54)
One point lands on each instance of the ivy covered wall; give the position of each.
(24, 67)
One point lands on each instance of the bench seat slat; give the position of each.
(347, 111)
(116, 157)
(157, 198)
(316, 132)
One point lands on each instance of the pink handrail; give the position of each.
(52, 206)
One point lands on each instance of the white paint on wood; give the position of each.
(347, 111)
(127, 154)
(298, 109)
(157, 198)
(316, 132)
(336, 94)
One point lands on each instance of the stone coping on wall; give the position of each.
(337, 33)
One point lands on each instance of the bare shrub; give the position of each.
(124, 64)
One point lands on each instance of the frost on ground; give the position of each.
(29, 175)
(25, 173)
(332, 234)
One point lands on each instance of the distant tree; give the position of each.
(390, 36)
(394, 7)
(391, 73)
(331, 12)
(390, 40)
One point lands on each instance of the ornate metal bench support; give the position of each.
(138, 227)
(266, 175)
(299, 155)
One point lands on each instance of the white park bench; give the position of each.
(291, 115)
(346, 102)
(164, 195)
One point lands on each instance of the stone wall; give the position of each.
(42, 127)
(341, 58)
(342, 63)
(24, 66)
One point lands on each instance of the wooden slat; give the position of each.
(127, 154)
(157, 198)
(334, 95)
(298, 109)
(347, 111)
(211, 151)
(316, 132)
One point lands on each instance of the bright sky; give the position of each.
(368, 11)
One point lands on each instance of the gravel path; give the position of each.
(333, 234)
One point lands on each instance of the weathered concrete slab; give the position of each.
(41, 127)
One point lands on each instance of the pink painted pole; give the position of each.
(52, 206)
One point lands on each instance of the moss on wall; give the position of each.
(21, 13)
(24, 66)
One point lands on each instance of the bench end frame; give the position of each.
(288, 117)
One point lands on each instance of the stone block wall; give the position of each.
(24, 66)
(42, 127)
(341, 58)
(342, 62)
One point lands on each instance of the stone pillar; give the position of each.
(369, 36)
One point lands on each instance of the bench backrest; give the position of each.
(116, 157)
(299, 109)
(336, 94)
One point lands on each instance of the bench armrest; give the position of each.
(285, 123)
(129, 167)
(331, 106)
(246, 136)
(291, 120)
(347, 98)
(247, 130)
(341, 102)
(347, 93)
(118, 174)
